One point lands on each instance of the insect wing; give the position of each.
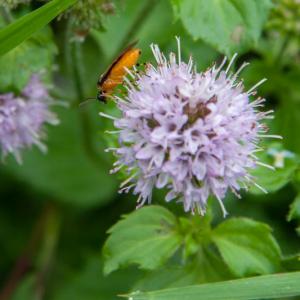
(104, 76)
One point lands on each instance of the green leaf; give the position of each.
(69, 172)
(205, 267)
(146, 237)
(33, 56)
(247, 246)
(168, 277)
(20, 30)
(273, 180)
(260, 287)
(228, 25)
(294, 212)
(210, 266)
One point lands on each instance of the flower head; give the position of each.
(194, 133)
(86, 15)
(22, 118)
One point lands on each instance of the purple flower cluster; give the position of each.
(22, 118)
(195, 134)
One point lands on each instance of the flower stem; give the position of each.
(74, 59)
(83, 114)
(51, 238)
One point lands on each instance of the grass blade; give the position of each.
(20, 30)
(259, 287)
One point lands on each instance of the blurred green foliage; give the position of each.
(56, 208)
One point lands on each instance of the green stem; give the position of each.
(282, 50)
(51, 238)
(74, 59)
(83, 113)
(77, 69)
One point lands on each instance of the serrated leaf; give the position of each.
(20, 30)
(146, 237)
(256, 288)
(294, 212)
(228, 25)
(247, 247)
(68, 172)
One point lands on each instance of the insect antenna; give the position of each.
(87, 101)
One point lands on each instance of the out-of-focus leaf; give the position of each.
(90, 284)
(285, 164)
(126, 18)
(247, 246)
(282, 87)
(33, 56)
(287, 120)
(69, 171)
(291, 263)
(20, 30)
(146, 237)
(260, 287)
(294, 212)
(227, 25)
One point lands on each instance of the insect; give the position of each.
(116, 71)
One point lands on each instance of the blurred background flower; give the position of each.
(89, 14)
(23, 118)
